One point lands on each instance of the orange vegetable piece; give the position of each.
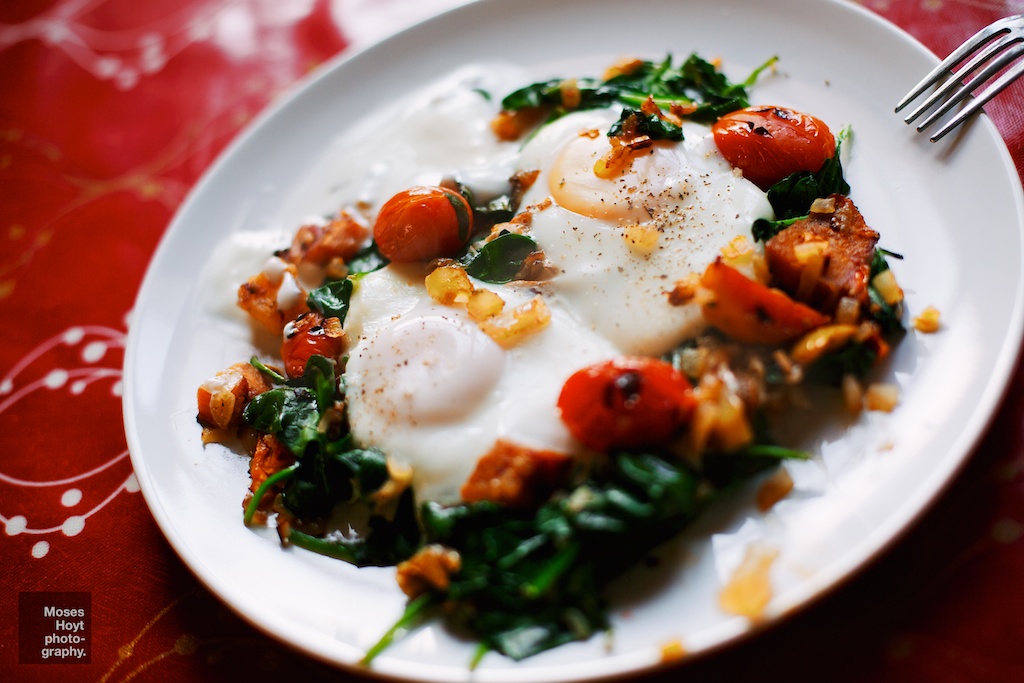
(514, 475)
(271, 456)
(751, 312)
(849, 250)
(222, 398)
(340, 239)
(258, 296)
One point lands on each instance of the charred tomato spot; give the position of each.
(629, 385)
(763, 316)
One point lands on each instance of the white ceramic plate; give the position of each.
(953, 209)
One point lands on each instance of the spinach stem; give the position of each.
(752, 78)
(254, 504)
(552, 571)
(780, 452)
(637, 99)
(321, 546)
(412, 612)
(274, 375)
(478, 654)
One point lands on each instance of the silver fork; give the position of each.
(991, 49)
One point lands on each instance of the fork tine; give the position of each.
(957, 56)
(952, 83)
(991, 69)
(979, 101)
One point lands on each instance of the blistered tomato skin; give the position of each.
(423, 223)
(310, 335)
(626, 403)
(770, 143)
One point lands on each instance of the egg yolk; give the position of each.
(631, 196)
(430, 369)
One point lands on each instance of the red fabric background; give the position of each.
(109, 111)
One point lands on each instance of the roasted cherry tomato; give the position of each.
(751, 312)
(423, 223)
(770, 143)
(626, 402)
(310, 335)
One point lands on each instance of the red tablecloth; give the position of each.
(109, 111)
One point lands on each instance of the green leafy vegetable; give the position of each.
(856, 359)
(887, 315)
(695, 81)
(328, 471)
(414, 612)
(366, 260)
(386, 542)
(792, 196)
(291, 413)
(330, 476)
(319, 378)
(498, 210)
(726, 469)
(764, 229)
(501, 259)
(331, 299)
(487, 214)
(650, 125)
(292, 410)
(532, 580)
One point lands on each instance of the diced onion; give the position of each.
(885, 283)
(848, 311)
(774, 489)
(820, 341)
(881, 397)
(511, 327)
(449, 285)
(927, 321)
(853, 394)
(484, 304)
(823, 205)
(641, 239)
(570, 92)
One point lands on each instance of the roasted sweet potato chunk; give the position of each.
(222, 398)
(824, 257)
(516, 476)
(430, 569)
(340, 239)
(751, 312)
(270, 457)
(260, 297)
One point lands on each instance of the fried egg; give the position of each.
(428, 387)
(621, 243)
